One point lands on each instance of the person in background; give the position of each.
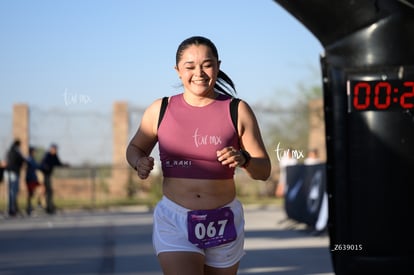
(49, 162)
(286, 160)
(2, 168)
(312, 157)
(200, 148)
(14, 163)
(32, 181)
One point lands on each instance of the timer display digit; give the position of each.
(381, 95)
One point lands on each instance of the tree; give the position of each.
(287, 125)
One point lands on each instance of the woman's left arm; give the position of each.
(251, 140)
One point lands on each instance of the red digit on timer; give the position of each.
(408, 95)
(378, 88)
(360, 87)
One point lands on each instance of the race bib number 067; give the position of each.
(209, 228)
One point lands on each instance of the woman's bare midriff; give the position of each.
(199, 193)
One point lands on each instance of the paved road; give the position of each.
(119, 242)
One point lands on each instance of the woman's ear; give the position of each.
(178, 72)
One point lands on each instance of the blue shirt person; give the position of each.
(32, 181)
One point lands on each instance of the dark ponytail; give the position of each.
(225, 85)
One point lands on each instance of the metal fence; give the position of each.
(85, 140)
(94, 187)
(89, 187)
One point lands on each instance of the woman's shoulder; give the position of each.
(153, 109)
(157, 102)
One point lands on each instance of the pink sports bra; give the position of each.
(189, 137)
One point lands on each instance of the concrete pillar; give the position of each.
(317, 127)
(120, 130)
(21, 126)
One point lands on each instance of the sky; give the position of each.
(85, 54)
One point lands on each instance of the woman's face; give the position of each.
(198, 69)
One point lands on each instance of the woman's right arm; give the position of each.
(142, 143)
(251, 140)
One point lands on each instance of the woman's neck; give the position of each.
(199, 100)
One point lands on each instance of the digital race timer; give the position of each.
(380, 92)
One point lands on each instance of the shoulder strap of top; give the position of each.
(164, 104)
(234, 103)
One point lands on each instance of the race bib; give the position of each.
(209, 228)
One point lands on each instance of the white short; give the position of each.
(170, 234)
